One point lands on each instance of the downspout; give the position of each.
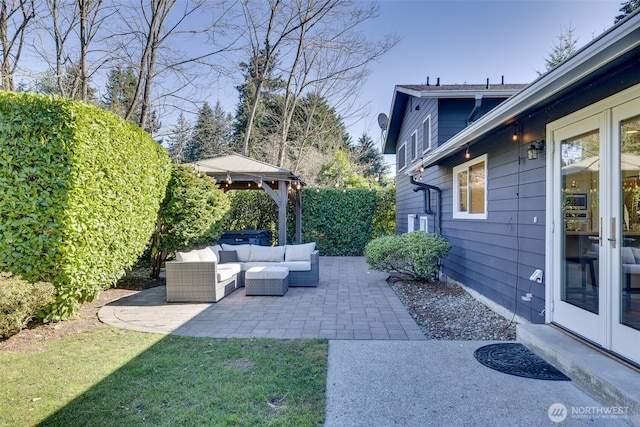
(426, 188)
(474, 112)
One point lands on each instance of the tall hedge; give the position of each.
(339, 221)
(80, 194)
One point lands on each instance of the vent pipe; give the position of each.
(426, 188)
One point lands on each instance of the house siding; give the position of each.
(495, 256)
(454, 115)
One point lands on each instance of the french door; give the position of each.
(594, 202)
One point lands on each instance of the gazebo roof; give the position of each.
(243, 169)
(238, 172)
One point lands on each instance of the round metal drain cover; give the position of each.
(516, 359)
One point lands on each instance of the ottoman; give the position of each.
(266, 281)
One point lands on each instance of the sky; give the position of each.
(470, 41)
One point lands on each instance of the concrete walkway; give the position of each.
(381, 369)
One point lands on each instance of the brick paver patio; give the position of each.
(350, 303)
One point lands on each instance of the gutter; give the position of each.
(426, 188)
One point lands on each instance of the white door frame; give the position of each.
(604, 329)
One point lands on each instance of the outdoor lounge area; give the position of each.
(211, 273)
(349, 302)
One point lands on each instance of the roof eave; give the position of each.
(390, 140)
(613, 43)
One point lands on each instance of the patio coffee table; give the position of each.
(266, 281)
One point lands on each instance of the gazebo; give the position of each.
(237, 172)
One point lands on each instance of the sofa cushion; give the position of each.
(296, 265)
(248, 265)
(299, 252)
(244, 251)
(228, 256)
(235, 267)
(636, 254)
(267, 253)
(191, 256)
(267, 273)
(224, 274)
(207, 254)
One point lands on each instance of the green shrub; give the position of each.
(412, 255)
(190, 213)
(19, 302)
(384, 220)
(339, 221)
(80, 191)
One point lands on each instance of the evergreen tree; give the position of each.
(48, 85)
(120, 95)
(211, 134)
(561, 50)
(627, 8)
(179, 139)
(369, 158)
(261, 125)
(121, 88)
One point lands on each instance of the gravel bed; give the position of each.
(445, 311)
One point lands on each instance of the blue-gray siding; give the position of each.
(496, 256)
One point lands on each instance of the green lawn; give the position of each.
(114, 377)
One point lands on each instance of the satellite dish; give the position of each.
(383, 121)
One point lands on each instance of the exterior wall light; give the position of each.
(534, 149)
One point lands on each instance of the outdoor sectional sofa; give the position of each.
(210, 274)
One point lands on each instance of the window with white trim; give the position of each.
(411, 223)
(426, 134)
(413, 147)
(402, 157)
(470, 189)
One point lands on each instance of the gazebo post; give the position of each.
(298, 208)
(282, 212)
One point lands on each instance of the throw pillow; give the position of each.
(244, 251)
(228, 256)
(299, 252)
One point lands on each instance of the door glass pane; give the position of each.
(580, 211)
(630, 251)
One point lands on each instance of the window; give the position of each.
(411, 223)
(414, 145)
(426, 134)
(470, 189)
(402, 157)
